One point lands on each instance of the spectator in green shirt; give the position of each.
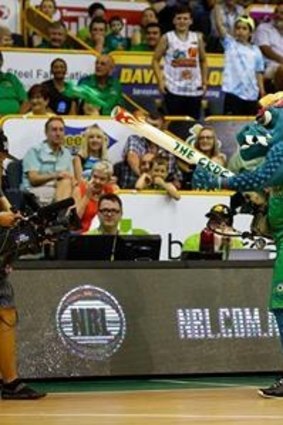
(108, 88)
(97, 34)
(109, 213)
(95, 10)
(13, 96)
(152, 36)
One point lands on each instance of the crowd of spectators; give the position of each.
(181, 34)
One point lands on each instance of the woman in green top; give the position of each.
(13, 96)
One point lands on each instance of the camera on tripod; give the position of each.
(47, 224)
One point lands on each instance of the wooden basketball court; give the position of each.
(217, 406)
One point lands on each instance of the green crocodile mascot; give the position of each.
(262, 140)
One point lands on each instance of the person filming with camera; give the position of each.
(12, 387)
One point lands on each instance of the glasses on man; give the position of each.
(109, 211)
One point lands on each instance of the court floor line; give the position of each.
(200, 382)
(157, 390)
(143, 416)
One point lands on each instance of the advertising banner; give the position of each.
(134, 71)
(144, 320)
(10, 14)
(33, 66)
(136, 74)
(23, 133)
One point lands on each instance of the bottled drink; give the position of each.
(206, 241)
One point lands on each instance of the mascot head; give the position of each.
(256, 138)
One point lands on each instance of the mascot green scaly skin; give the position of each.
(260, 139)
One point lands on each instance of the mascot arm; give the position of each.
(270, 173)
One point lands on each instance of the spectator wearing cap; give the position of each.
(210, 239)
(13, 96)
(95, 10)
(243, 67)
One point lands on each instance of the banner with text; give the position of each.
(135, 72)
(23, 133)
(33, 66)
(144, 320)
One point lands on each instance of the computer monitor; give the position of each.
(138, 248)
(200, 255)
(85, 248)
(109, 248)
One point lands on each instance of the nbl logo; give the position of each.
(90, 322)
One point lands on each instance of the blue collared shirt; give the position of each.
(44, 160)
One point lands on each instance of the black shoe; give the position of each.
(17, 390)
(274, 391)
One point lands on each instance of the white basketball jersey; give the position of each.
(182, 66)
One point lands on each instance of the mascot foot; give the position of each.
(274, 391)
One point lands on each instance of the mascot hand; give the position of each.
(202, 179)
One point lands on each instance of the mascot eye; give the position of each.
(279, 287)
(262, 140)
(250, 139)
(265, 118)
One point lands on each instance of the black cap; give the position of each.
(220, 210)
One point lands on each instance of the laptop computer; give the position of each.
(249, 254)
